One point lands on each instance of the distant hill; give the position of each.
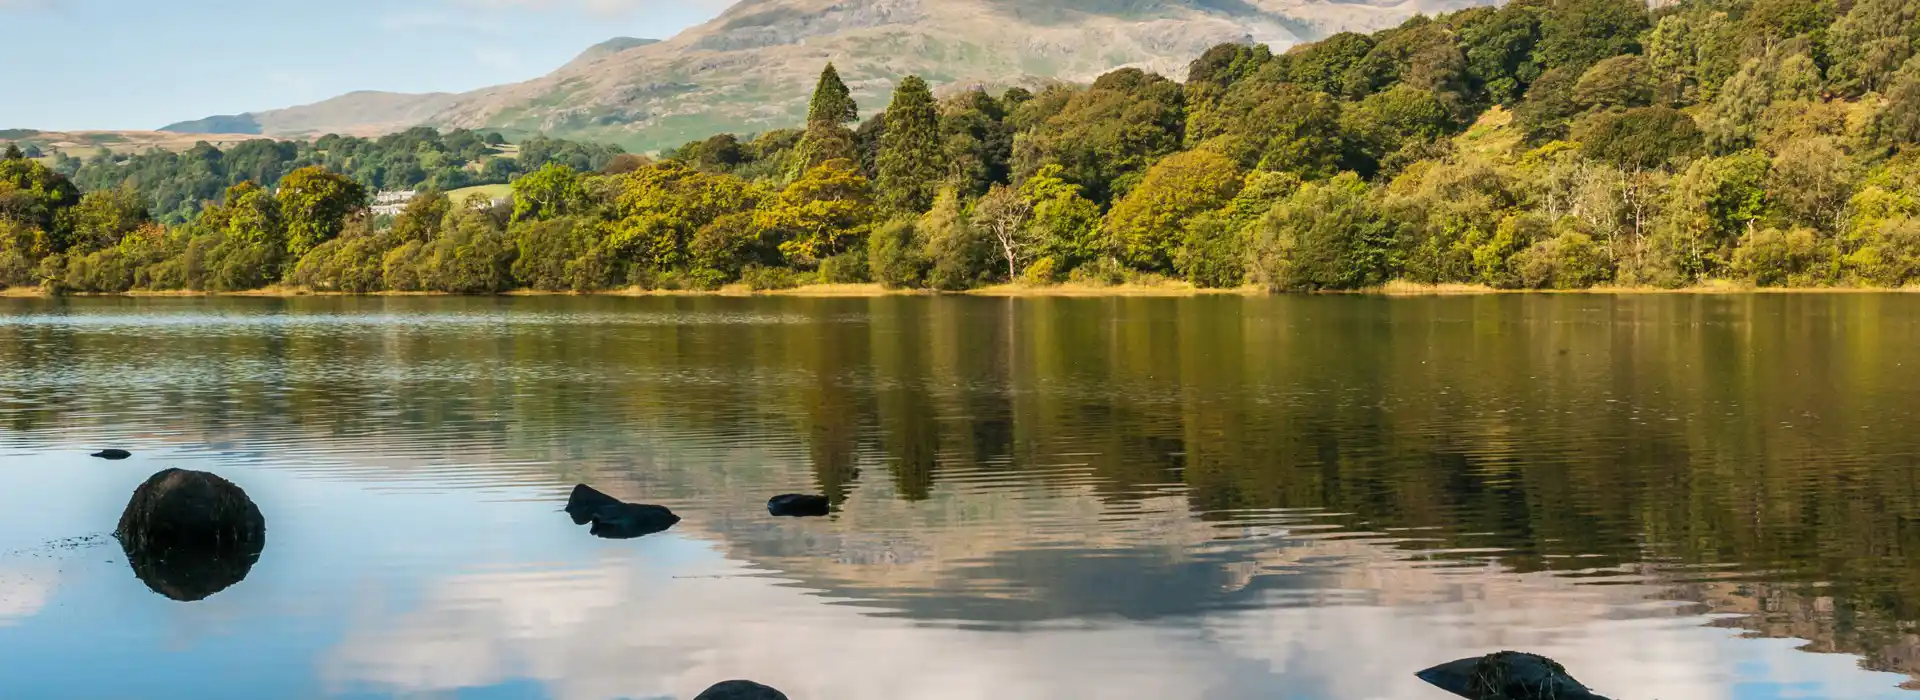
(752, 68)
(356, 113)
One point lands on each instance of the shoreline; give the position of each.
(1396, 289)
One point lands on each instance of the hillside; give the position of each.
(751, 68)
(365, 113)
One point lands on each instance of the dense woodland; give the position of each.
(1543, 144)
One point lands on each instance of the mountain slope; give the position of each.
(751, 68)
(355, 113)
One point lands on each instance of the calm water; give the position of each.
(1679, 497)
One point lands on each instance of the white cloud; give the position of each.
(503, 59)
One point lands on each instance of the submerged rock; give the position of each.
(1507, 675)
(616, 520)
(189, 535)
(798, 505)
(740, 690)
(114, 455)
(626, 521)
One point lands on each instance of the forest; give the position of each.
(1544, 144)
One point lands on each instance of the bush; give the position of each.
(1891, 254)
(850, 267)
(355, 264)
(760, 279)
(1326, 235)
(401, 267)
(1102, 271)
(1040, 273)
(1211, 254)
(1772, 257)
(1568, 261)
(15, 269)
(895, 258)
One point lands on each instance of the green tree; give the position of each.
(910, 163)
(660, 208)
(1642, 138)
(314, 206)
(102, 218)
(1146, 225)
(1065, 225)
(1576, 34)
(832, 102)
(1106, 137)
(1620, 82)
(422, 218)
(551, 192)
(897, 255)
(962, 256)
(1327, 235)
(1499, 44)
(824, 213)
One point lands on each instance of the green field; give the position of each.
(491, 191)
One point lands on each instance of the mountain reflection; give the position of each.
(1267, 484)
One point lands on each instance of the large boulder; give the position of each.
(1507, 675)
(189, 535)
(614, 519)
(740, 690)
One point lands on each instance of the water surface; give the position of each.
(1680, 497)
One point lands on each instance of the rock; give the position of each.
(189, 535)
(625, 521)
(740, 690)
(613, 519)
(1507, 675)
(115, 455)
(584, 500)
(798, 505)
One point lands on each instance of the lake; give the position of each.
(1677, 496)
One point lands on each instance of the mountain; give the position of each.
(609, 48)
(356, 113)
(752, 68)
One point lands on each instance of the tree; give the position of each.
(549, 193)
(896, 255)
(1499, 44)
(1327, 235)
(832, 102)
(910, 163)
(822, 214)
(1003, 213)
(961, 256)
(314, 206)
(1106, 137)
(1387, 122)
(1620, 82)
(826, 137)
(1145, 226)
(421, 220)
(1642, 138)
(1575, 34)
(660, 208)
(1065, 225)
(102, 218)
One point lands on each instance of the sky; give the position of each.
(142, 64)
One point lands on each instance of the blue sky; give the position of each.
(141, 64)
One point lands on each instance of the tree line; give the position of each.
(177, 185)
(1543, 144)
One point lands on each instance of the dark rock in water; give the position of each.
(584, 500)
(625, 521)
(740, 690)
(114, 455)
(614, 519)
(798, 505)
(189, 535)
(1507, 675)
